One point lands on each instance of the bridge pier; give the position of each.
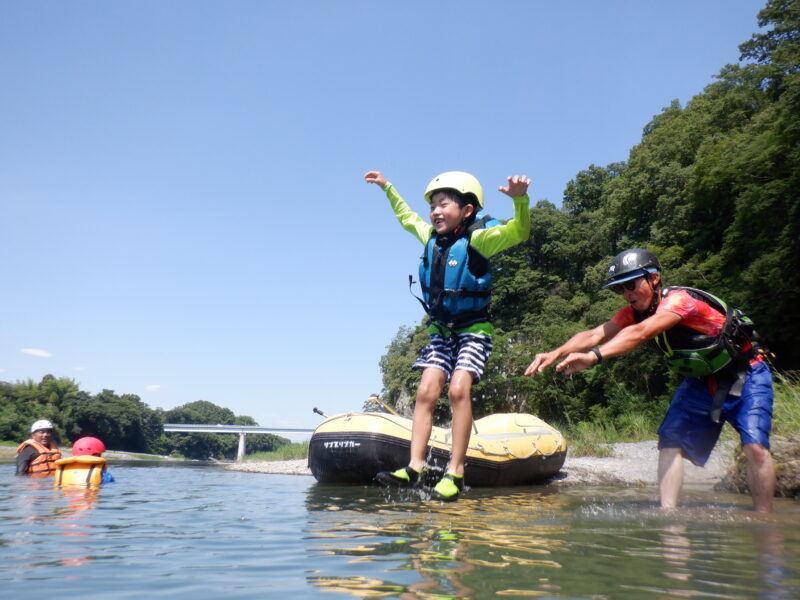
(240, 451)
(240, 430)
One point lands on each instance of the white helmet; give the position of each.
(41, 424)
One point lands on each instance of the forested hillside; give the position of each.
(123, 422)
(712, 189)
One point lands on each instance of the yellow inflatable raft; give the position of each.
(504, 449)
(80, 470)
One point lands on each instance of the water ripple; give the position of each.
(202, 532)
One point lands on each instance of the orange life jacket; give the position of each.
(79, 470)
(43, 465)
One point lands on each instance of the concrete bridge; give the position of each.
(241, 430)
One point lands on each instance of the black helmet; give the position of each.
(630, 264)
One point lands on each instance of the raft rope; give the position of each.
(478, 447)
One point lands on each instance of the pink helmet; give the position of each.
(86, 446)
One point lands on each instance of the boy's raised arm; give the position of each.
(517, 185)
(376, 177)
(409, 220)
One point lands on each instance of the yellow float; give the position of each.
(80, 470)
(504, 449)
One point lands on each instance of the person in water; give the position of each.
(455, 278)
(91, 446)
(37, 456)
(717, 350)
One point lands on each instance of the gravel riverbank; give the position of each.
(633, 464)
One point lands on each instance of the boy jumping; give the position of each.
(456, 285)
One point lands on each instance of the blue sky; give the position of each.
(181, 191)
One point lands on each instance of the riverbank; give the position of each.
(633, 464)
(7, 452)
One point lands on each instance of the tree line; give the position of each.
(712, 189)
(123, 422)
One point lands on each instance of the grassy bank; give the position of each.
(584, 438)
(9, 450)
(592, 439)
(293, 451)
(786, 410)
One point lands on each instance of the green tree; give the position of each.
(711, 188)
(214, 445)
(122, 422)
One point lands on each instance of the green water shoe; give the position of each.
(448, 487)
(403, 477)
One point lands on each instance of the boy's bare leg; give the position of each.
(430, 388)
(461, 405)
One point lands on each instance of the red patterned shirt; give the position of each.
(694, 313)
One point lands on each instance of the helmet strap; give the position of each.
(654, 300)
(656, 289)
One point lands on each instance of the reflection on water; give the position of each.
(440, 545)
(575, 544)
(202, 532)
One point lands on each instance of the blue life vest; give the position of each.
(455, 278)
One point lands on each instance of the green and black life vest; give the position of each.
(694, 354)
(726, 355)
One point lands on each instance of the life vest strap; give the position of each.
(89, 474)
(450, 293)
(729, 383)
(460, 321)
(478, 224)
(425, 306)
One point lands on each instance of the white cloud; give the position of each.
(152, 388)
(78, 368)
(36, 352)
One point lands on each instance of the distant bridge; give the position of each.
(242, 430)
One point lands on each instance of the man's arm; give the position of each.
(24, 459)
(577, 343)
(626, 340)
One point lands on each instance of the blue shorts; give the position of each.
(459, 351)
(688, 425)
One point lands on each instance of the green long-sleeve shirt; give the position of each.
(488, 241)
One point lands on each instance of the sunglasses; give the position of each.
(618, 288)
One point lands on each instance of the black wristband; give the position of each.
(596, 351)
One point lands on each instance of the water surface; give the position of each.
(180, 531)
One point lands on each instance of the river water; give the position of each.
(200, 532)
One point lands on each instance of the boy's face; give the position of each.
(446, 214)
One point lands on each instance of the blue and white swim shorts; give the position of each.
(459, 351)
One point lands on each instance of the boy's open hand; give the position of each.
(517, 186)
(375, 177)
